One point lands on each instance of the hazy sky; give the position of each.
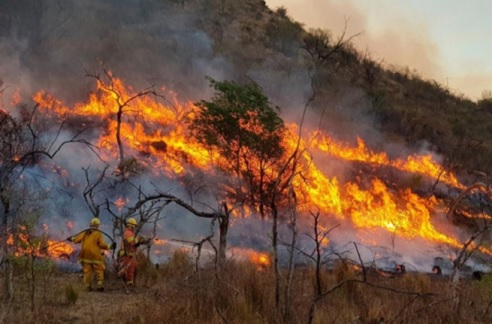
(449, 41)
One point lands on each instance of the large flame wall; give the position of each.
(158, 133)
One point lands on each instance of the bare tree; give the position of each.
(322, 49)
(482, 227)
(149, 207)
(22, 145)
(90, 191)
(316, 255)
(319, 47)
(123, 102)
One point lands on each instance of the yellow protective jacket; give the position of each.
(92, 244)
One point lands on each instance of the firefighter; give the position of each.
(91, 255)
(127, 254)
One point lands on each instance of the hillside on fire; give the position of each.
(270, 173)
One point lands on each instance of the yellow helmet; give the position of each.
(131, 222)
(95, 222)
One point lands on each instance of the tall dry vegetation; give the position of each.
(244, 293)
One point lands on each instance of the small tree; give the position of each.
(244, 128)
(31, 254)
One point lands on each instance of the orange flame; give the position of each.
(59, 250)
(120, 203)
(158, 133)
(23, 245)
(423, 165)
(260, 259)
(159, 242)
(15, 99)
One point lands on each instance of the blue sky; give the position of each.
(449, 41)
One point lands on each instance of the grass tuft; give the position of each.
(71, 294)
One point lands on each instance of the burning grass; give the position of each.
(174, 292)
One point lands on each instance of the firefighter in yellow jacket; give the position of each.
(91, 255)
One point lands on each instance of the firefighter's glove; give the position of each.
(69, 239)
(113, 246)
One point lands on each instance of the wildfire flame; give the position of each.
(57, 250)
(260, 259)
(418, 164)
(23, 244)
(121, 202)
(159, 133)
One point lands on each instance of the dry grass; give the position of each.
(241, 293)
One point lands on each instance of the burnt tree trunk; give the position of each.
(275, 254)
(223, 228)
(118, 135)
(6, 260)
(290, 273)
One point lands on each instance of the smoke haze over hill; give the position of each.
(443, 42)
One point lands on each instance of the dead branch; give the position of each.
(435, 303)
(361, 263)
(465, 254)
(437, 181)
(198, 245)
(89, 190)
(476, 185)
(50, 151)
(403, 292)
(317, 45)
(122, 103)
(222, 317)
(405, 308)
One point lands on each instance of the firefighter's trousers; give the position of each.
(92, 270)
(128, 268)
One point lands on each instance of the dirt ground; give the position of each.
(92, 307)
(115, 305)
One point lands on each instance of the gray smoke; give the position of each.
(52, 44)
